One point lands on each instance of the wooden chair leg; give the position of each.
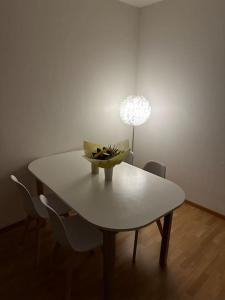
(135, 246)
(68, 288)
(26, 229)
(38, 231)
(159, 224)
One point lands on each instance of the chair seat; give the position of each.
(55, 203)
(82, 235)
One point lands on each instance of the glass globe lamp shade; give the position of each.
(135, 110)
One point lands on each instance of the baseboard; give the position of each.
(212, 212)
(12, 226)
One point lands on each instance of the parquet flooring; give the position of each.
(196, 264)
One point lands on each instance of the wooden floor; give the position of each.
(196, 265)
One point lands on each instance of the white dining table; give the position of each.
(132, 200)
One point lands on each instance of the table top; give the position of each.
(134, 198)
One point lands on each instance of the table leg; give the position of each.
(108, 261)
(165, 239)
(39, 186)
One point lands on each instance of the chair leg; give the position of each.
(135, 246)
(92, 252)
(68, 289)
(26, 229)
(55, 252)
(38, 231)
(159, 224)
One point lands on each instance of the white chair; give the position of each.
(36, 211)
(155, 168)
(73, 233)
(159, 170)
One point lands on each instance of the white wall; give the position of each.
(64, 68)
(182, 71)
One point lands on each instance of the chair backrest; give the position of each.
(155, 168)
(28, 204)
(129, 158)
(57, 224)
